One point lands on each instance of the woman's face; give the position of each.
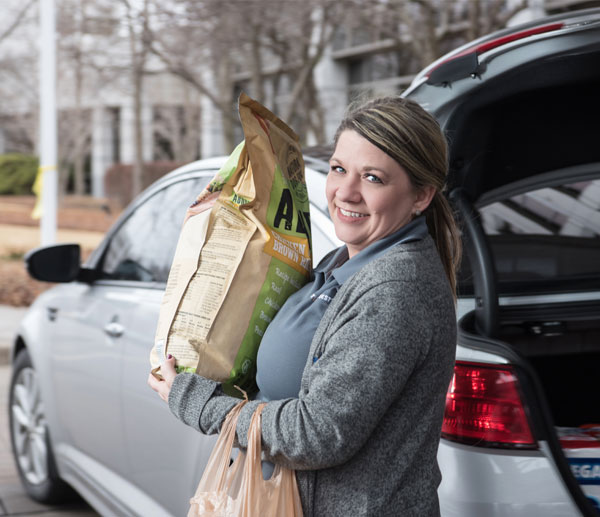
(369, 194)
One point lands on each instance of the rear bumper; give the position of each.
(492, 482)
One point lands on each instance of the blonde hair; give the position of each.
(402, 129)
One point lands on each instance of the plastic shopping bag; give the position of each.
(239, 490)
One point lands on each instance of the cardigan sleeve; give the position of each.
(372, 347)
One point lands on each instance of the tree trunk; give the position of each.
(78, 179)
(138, 164)
(316, 117)
(258, 91)
(226, 102)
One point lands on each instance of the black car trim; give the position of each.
(482, 264)
(583, 310)
(455, 68)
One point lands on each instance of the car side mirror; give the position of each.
(56, 263)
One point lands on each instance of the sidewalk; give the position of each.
(13, 500)
(10, 317)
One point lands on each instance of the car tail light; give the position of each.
(484, 407)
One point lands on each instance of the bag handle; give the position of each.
(221, 454)
(222, 451)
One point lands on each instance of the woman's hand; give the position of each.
(167, 370)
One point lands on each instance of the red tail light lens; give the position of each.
(484, 407)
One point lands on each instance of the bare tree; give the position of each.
(87, 38)
(18, 64)
(195, 37)
(251, 42)
(17, 20)
(74, 131)
(176, 131)
(434, 27)
(137, 21)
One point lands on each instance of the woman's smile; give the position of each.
(351, 214)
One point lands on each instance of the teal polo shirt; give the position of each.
(286, 343)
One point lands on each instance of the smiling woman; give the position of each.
(411, 139)
(369, 193)
(342, 364)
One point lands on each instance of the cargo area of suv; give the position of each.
(525, 181)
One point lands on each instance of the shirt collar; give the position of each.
(413, 231)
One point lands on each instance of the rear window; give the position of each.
(546, 239)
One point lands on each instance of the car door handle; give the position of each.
(114, 329)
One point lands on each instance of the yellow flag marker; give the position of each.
(37, 189)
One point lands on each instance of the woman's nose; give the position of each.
(349, 189)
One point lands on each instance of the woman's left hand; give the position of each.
(167, 370)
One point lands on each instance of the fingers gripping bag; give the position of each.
(236, 264)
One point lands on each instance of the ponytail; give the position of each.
(444, 231)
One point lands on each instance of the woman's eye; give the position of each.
(372, 178)
(337, 168)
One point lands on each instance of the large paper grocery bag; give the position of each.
(236, 264)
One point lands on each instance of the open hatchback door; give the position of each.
(521, 108)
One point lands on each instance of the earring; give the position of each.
(417, 213)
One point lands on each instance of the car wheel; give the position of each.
(29, 436)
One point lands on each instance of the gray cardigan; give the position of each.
(364, 430)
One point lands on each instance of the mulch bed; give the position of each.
(74, 212)
(17, 288)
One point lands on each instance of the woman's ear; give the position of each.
(424, 197)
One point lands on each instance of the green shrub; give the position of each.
(17, 173)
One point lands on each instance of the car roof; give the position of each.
(315, 170)
(531, 105)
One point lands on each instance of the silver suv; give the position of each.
(522, 111)
(521, 107)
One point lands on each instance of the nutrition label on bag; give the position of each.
(222, 252)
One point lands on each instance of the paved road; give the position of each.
(13, 500)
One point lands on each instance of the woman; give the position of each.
(357, 363)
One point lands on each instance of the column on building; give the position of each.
(211, 121)
(331, 81)
(147, 134)
(211, 126)
(127, 133)
(534, 10)
(102, 148)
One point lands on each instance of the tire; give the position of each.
(29, 436)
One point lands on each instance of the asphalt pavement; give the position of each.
(13, 499)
